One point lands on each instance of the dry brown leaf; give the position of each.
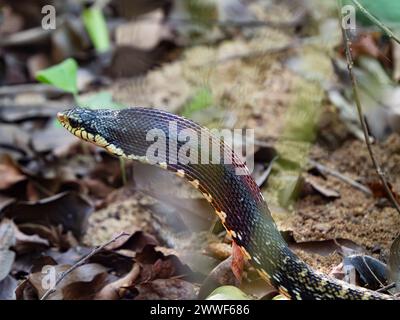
(7, 240)
(144, 33)
(238, 261)
(9, 173)
(85, 273)
(219, 250)
(221, 275)
(112, 291)
(85, 290)
(166, 289)
(6, 261)
(55, 235)
(379, 191)
(7, 288)
(136, 242)
(21, 242)
(68, 209)
(320, 186)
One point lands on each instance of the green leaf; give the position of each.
(201, 100)
(280, 297)
(101, 99)
(62, 75)
(201, 12)
(96, 27)
(228, 293)
(387, 11)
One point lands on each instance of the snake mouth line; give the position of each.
(78, 132)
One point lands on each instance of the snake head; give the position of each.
(78, 122)
(88, 124)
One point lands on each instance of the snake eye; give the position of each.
(74, 123)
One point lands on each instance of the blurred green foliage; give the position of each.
(228, 293)
(62, 76)
(387, 11)
(200, 101)
(96, 27)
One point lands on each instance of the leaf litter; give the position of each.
(60, 199)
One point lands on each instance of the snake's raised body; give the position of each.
(236, 198)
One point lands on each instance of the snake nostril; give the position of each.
(61, 117)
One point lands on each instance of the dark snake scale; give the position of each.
(237, 200)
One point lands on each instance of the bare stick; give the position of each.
(373, 273)
(24, 88)
(374, 20)
(257, 53)
(342, 177)
(385, 288)
(378, 169)
(80, 263)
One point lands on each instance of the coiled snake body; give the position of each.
(238, 202)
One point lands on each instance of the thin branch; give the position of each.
(374, 20)
(372, 272)
(265, 175)
(341, 176)
(385, 288)
(80, 263)
(28, 88)
(258, 53)
(350, 64)
(242, 24)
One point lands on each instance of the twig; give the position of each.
(387, 287)
(123, 171)
(342, 177)
(373, 273)
(296, 43)
(28, 88)
(378, 169)
(242, 24)
(265, 175)
(374, 20)
(80, 263)
(257, 53)
(32, 35)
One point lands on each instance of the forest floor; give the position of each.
(62, 198)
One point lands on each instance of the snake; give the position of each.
(210, 164)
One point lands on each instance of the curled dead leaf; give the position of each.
(40, 282)
(68, 209)
(112, 291)
(372, 273)
(7, 288)
(136, 242)
(86, 290)
(144, 33)
(55, 235)
(319, 185)
(9, 176)
(6, 261)
(394, 263)
(221, 275)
